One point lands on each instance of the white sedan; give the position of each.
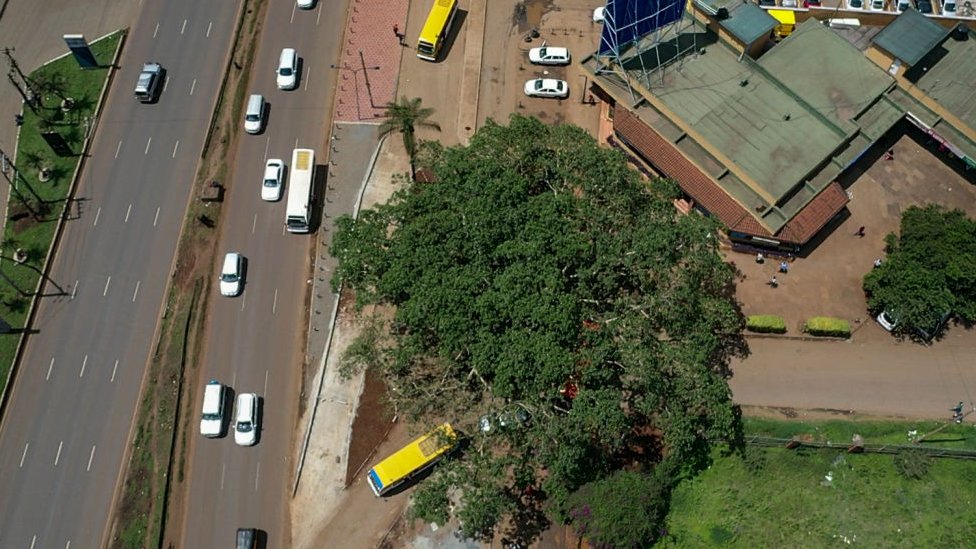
(549, 55)
(547, 87)
(271, 185)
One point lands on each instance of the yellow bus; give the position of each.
(436, 29)
(412, 459)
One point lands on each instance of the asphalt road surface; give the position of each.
(254, 341)
(64, 432)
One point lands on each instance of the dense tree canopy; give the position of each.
(930, 269)
(539, 273)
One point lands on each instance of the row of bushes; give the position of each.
(823, 326)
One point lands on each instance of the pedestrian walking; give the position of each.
(760, 258)
(784, 267)
(396, 30)
(877, 263)
(773, 282)
(860, 232)
(889, 154)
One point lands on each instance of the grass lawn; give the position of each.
(788, 501)
(35, 206)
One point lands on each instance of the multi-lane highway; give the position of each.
(254, 341)
(64, 431)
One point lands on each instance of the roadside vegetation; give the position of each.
(153, 486)
(543, 289)
(929, 271)
(64, 98)
(774, 497)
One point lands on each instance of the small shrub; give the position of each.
(754, 459)
(827, 326)
(912, 464)
(766, 324)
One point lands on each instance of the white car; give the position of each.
(232, 275)
(306, 4)
(599, 14)
(549, 55)
(886, 321)
(547, 87)
(271, 185)
(246, 419)
(287, 71)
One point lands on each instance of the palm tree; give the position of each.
(404, 116)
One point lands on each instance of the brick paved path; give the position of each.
(369, 62)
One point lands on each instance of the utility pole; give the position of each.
(31, 97)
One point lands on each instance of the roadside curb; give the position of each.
(327, 350)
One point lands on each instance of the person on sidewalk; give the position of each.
(860, 232)
(784, 267)
(889, 154)
(773, 283)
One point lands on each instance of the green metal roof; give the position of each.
(951, 78)
(910, 37)
(748, 22)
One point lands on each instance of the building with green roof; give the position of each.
(758, 135)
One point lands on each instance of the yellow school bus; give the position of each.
(411, 460)
(436, 29)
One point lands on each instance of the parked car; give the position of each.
(287, 69)
(599, 14)
(247, 538)
(271, 185)
(547, 87)
(150, 82)
(924, 6)
(886, 321)
(878, 5)
(808, 3)
(949, 7)
(246, 419)
(232, 275)
(549, 55)
(513, 417)
(855, 4)
(788, 3)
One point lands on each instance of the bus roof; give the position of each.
(415, 455)
(436, 20)
(786, 17)
(302, 157)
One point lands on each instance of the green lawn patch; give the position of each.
(806, 497)
(36, 206)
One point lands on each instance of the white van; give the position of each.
(287, 70)
(254, 115)
(949, 7)
(232, 275)
(212, 420)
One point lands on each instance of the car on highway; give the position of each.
(254, 114)
(547, 87)
(149, 83)
(306, 4)
(232, 275)
(212, 418)
(271, 185)
(247, 538)
(549, 55)
(287, 70)
(246, 419)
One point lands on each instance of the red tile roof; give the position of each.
(706, 191)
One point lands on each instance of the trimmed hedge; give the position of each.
(827, 326)
(766, 324)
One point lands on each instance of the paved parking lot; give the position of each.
(874, 373)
